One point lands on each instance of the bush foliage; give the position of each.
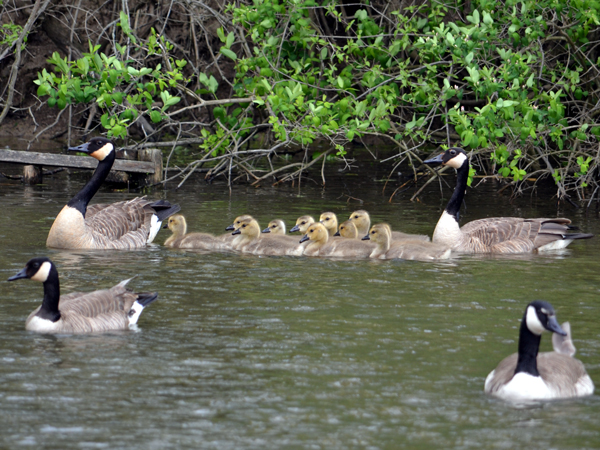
(514, 82)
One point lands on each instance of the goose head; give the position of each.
(36, 269)
(248, 228)
(380, 234)
(97, 147)
(302, 224)
(238, 221)
(454, 157)
(347, 230)
(540, 316)
(177, 225)
(362, 221)
(276, 226)
(330, 221)
(316, 232)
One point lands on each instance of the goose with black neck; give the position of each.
(495, 234)
(123, 225)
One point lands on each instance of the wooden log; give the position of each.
(77, 162)
(153, 155)
(32, 174)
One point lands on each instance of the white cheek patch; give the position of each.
(103, 151)
(42, 274)
(457, 161)
(533, 321)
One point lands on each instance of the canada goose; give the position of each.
(122, 225)
(529, 375)
(179, 239)
(321, 245)
(347, 230)
(275, 227)
(105, 310)
(330, 221)
(230, 238)
(412, 249)
(302, 224)
(252, 241)
(494, 234)
(362, 220)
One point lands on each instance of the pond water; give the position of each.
(282, 352)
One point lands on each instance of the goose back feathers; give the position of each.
(497, 234)
(529, 375)
(109, 309)
(410, 249)
(122, 225)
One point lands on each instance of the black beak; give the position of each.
(366, 238)
(294, 228)
(337, 233)
(22, 274)
(83, 148)
(236, 232)
(166, 225)
(552, 325)
(266, 230)
(304, 238)
(230, 228)
(435, 161)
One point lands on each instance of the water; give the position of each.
(281, 352)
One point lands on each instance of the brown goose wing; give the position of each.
(503, 373)
(122, 224)
(561, 372)
(94, 304)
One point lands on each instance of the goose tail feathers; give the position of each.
(164, 209)
(143, 300)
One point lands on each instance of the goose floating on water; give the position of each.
(321, 245)
(330, 221)
(122, 225)
(105, 310)
(347, 230)
(494, 234)
(362, 221)
(182, 239)
(251, 240)
(410, 249)
(529, 375)
(302, 224)
(275, 227)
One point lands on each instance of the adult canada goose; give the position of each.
(494, 234)
(330, 221)
(81, 312)
(529, 375)
(253, 241)
(321, 245)
(302, 224)
(412, 249)
(275, 227)
(347, 230)
(122, 225)
(362, 220)
(181, 239)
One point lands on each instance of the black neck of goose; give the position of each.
(462, 176)
(529, 345)
(49, 309)
(83, 197)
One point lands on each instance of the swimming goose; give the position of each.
(362, 220)
(330, 221)
(275, 227)
(81, 312)
(411, 249)
(302, 224)
(321, 245)
(122, 225)
(529, 375)
(253, 241)
(201, 241)
(347, 230)
(494, 234)
(229, 238)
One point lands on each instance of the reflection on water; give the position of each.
(280, 352)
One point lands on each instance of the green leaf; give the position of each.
(228, 53)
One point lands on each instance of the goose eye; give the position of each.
(453, 152)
